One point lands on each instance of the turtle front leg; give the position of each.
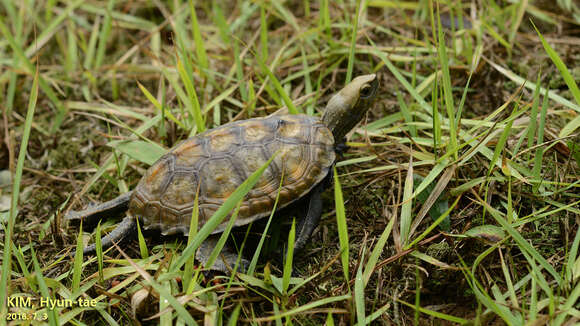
(225, 261)
(310, 221)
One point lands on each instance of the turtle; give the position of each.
(214, 163)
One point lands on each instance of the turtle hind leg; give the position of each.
(124, 231)
(225, 261)
(92, 215)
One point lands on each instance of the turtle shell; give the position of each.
(219, 160)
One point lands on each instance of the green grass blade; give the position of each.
(566, 75)
(307, 80)
(433, 225)
(341, 223)
(11, 91)
(436, 117)
(517, 21)
(23, 267)
(433, 174)
(285, 98)
(286, 14)
(378, 313)
(447, 91)
(77, 266)
(104, 34)
(571, 302)
(52, 313)
(221, 97)
(289, 259)
(276, 313)
(223, 237)
(436, 314)
(359, 7)
(233, 320)
(254, 261)
(538, 158)
(568, 78)
(99, 251)
(497, 36)
(543, 283)
(193, 102)
(198, 39)
(406, 207)
(6, 266)
(324, 22)
(92, 45)
(572, 257)
(263, 33)
(533, 311)
(377, 251)
(251, 97)
(300, 310)
(221, 22)
(240, 72)
(502, 140)
(329, 320)
(532, 127)
(71, 58)
(107, 317)
(142, 243)
(417, 294)
(570, 127)
(508, 280)
(160, 107)
(407, 115)
(193, 226)
(359, 292)
(247, 10)
(462, 101)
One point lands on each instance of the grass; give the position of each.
(470, 146)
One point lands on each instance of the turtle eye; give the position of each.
(366, 91)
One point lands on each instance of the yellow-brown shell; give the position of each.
(219, 160)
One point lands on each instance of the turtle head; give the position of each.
(347, 107)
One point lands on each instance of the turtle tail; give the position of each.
(92, 215)
(124, 231)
